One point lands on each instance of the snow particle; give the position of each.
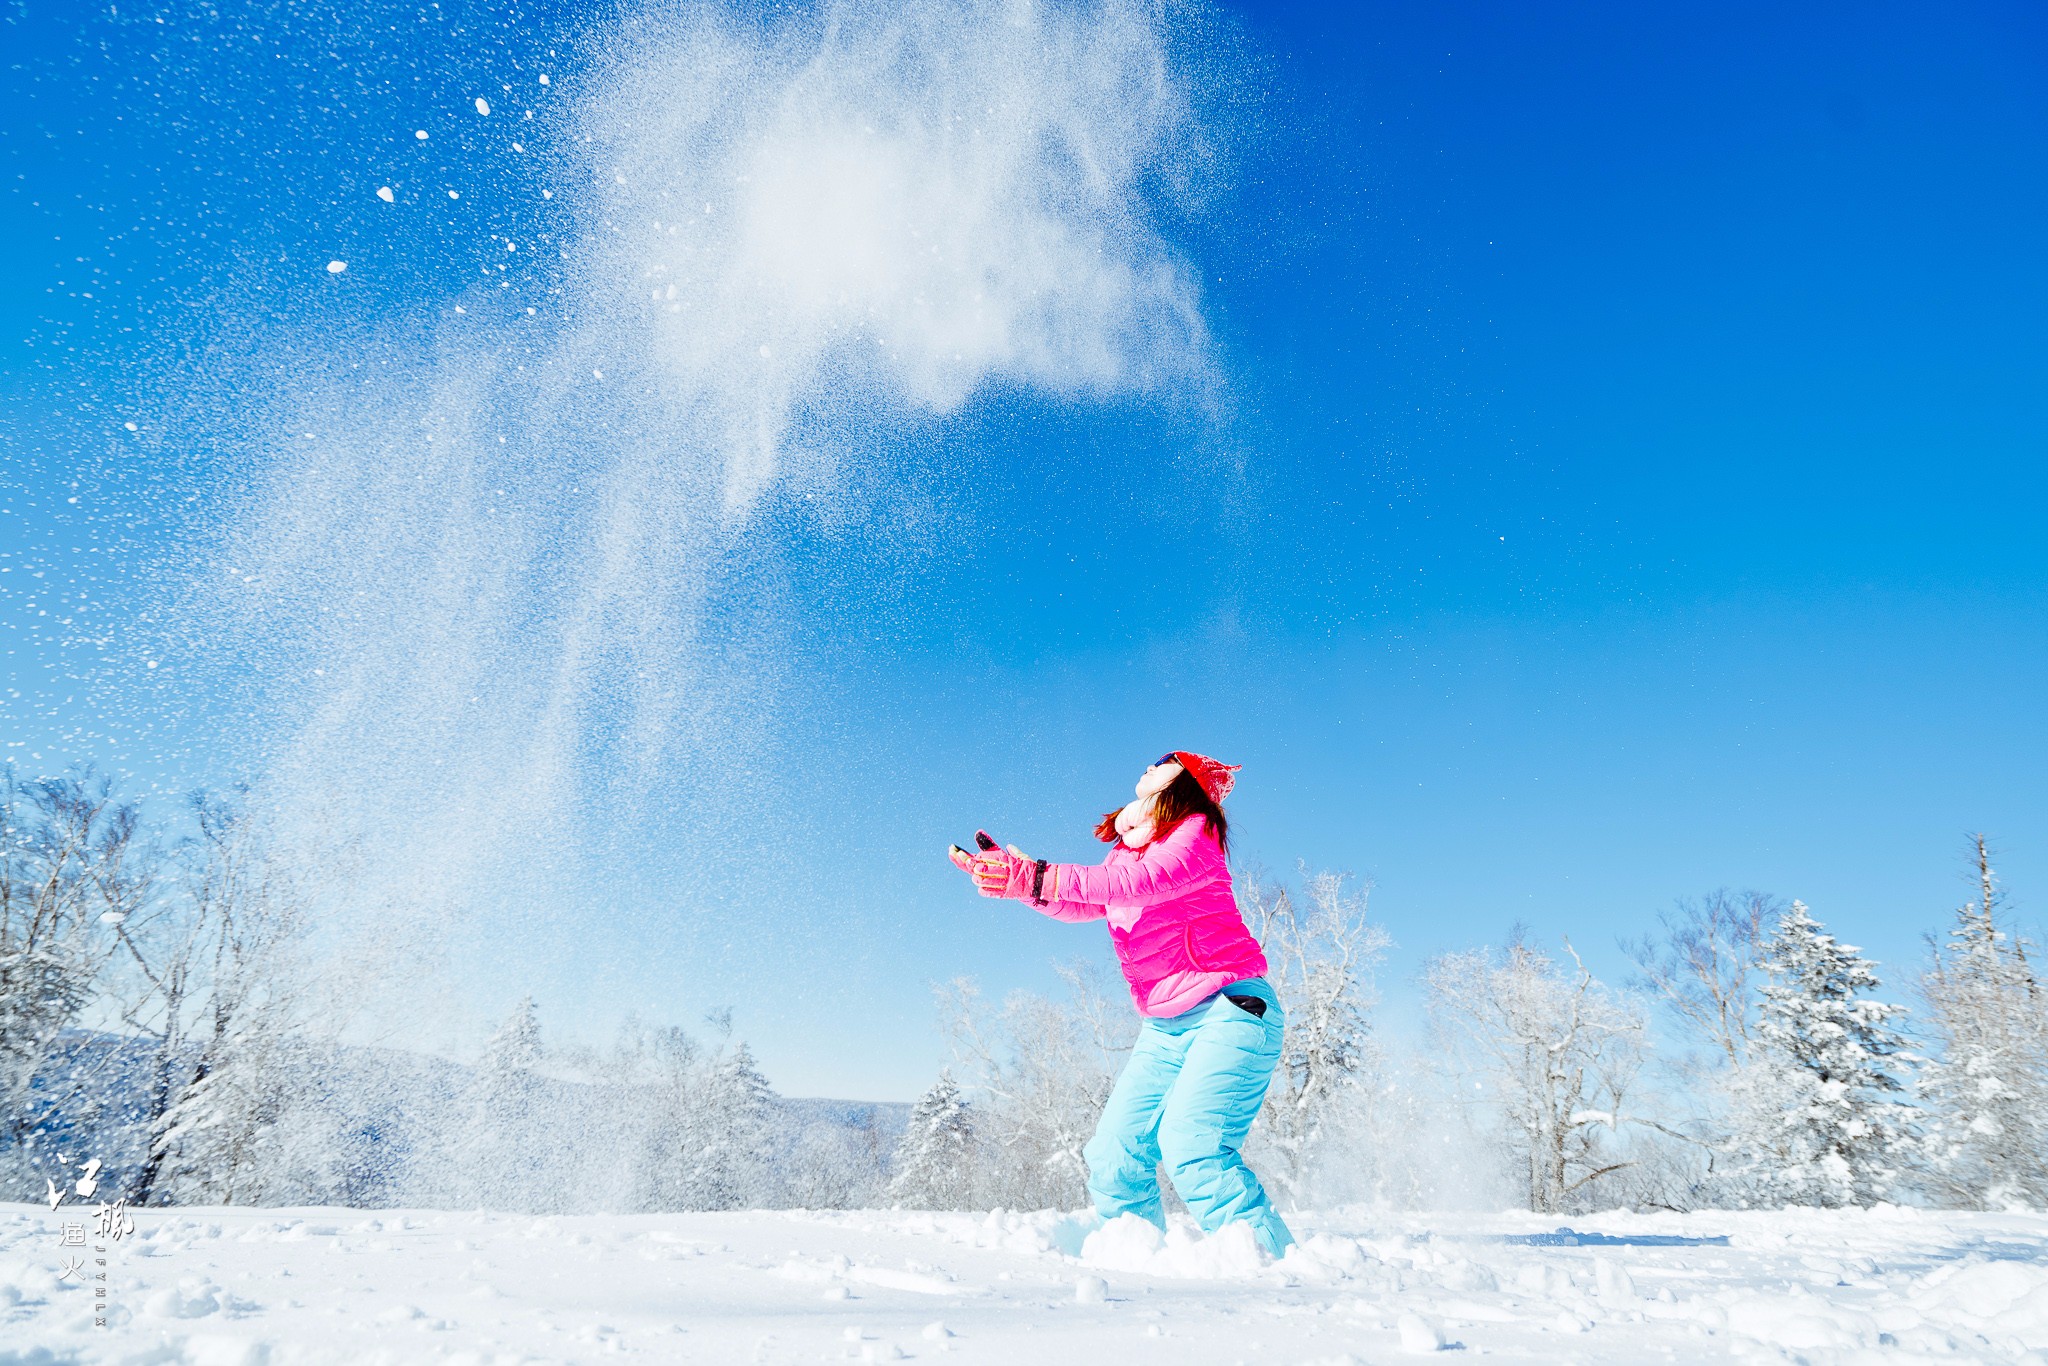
(129, 425)
(421, 134)
(336, 267)
(455, 194)
(483, 106)
(543, 78)
(384, 193)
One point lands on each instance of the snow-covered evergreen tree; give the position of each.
(1819, 1116)
(498, 1156)
(252, 1127)
(1987, 1087)
(730, 1162)
(935, 1160)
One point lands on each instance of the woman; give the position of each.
(1212, 1028)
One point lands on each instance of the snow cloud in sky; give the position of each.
(495, 589)
(911, 201)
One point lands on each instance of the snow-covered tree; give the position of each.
(1549, 1051)
(935, 1160)
(1819, 1115)
(73, 865)
(236, 1109)
(648, 1089)
(1702, 967)
(1043, 1069)
(832, 1159)
(1319, 959)
(731, 1134)
(1987, 1086)
(238, 1132)
(498, 1157)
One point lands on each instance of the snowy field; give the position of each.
(325, 1285)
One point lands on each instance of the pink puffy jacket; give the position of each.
(1171, 915)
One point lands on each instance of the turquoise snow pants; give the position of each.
(1187, 1097)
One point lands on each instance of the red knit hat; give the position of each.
(1216, 779)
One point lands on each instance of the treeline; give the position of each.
(164, 1007)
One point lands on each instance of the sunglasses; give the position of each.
(1165, 759)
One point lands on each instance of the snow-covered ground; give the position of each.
(325, 1285)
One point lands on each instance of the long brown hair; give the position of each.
(1179, 799)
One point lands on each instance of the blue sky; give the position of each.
(1631, 484)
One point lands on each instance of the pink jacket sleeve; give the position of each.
(1073, 910)
(1173, 862)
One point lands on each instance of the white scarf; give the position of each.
(1135, 825)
